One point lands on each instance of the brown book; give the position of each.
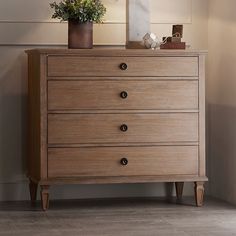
(173, 45)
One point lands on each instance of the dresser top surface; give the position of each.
(116, 52)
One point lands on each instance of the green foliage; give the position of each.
(79, 10)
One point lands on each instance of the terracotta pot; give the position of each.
(80, 35)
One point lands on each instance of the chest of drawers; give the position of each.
(116, 116)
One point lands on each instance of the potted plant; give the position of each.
(80, 15)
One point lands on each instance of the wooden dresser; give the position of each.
(116, 116)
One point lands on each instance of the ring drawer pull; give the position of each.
(123, 128)
(123, 66)
(124, 94)
(124, 161)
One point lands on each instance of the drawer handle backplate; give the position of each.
(124, 161)
(124, 94)
(123, 66)
(123, 128)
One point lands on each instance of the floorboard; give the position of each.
(123, 217)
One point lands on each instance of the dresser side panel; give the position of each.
(202, 117)
(33, 116)
(37, 121)
(43, 117)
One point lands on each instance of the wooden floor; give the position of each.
(130, 217)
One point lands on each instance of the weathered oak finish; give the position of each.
(45, 197)
(199, 193)
(116, 116)
(37, 122)
(110, 66)
(179, 187)
(33, 191)
(163, 160)
(105, 128)
(202, 122)
(105, 95)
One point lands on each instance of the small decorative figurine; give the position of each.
(150, 40)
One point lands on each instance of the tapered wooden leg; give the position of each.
(45, 197)
(33, 187)
(179, 187)
(199, 193)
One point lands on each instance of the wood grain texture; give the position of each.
(34, 159)
(89, 111)
(43, 116)
(122, 179)
(106, 161)
(199, 193)
(105, 95)
(33, 187)
(112, 78)
(179, 187)
(76, 145)
(44, 197)
(105, 128)
(116, 52)
(202, 117)
(76, 115)
(137, 66)
(37, 110)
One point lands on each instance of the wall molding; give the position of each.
(50, 22)
(40, 34)
(104, 23)
(26, 28)
(56, 34)
(173, 10)
(40, 11)
(181, 10)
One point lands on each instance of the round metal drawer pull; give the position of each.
(124, 94)
(123, 66)
(124, 161)
(124, 128)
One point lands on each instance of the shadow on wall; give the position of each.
(223, 10)
(223, 151)
(112, 191)
(13, 87)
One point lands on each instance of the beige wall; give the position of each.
(222, 98)
(26, 27)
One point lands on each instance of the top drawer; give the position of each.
(122, 66)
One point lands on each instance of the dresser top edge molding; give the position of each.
(116, 52)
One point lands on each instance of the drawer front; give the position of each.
(122, 66)
(139, 95)
(123, 161)
(122, 128)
